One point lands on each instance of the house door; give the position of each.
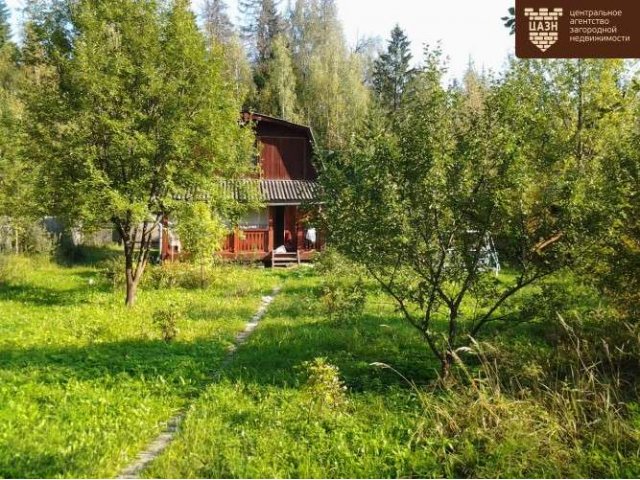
(278, 226)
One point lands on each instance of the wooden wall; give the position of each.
(286, 153)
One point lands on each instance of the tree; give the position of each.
(138, 115)
(278, 96)
(223, 40)
(5, 26)
(368, 50)
(331, 92)
(262, 25)
(510, 20)
(417, 206)
(217, 25)
(18, 208)
(474, 88)
(392, 70)
(201, 232)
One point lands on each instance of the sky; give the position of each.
(469, 30)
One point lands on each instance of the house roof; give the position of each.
(261, 117)
(274, 192)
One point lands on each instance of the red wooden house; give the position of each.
(289, 191)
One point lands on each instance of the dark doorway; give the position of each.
(278, 225)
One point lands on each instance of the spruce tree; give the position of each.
(279, 94)
(263, 24)
(392, 70)
(216, 22)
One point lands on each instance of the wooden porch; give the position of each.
(286, 228)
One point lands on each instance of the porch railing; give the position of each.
(248, 241)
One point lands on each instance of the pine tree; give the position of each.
(392, 70)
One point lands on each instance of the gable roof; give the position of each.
(248, 116)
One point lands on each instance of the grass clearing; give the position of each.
(85, 382)
(265, 418)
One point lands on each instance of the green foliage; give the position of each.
(184, 275)
(262, 25)
(331, 95)
(216, 22)
(343, 299)
(262, 418)
(343, 292)
(69, 349)
(323, 386)
(149, 115)
(391, 71)
(418, 203)
(113, 272)
(5, 26)
(201, 233)
(278, 95)
(257, 421)
(167, 321)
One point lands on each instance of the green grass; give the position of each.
(260, 420)
(85, 382)
(263, 419)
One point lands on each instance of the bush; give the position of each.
(343, 299)
(15, 268)
(167, 321)
(165, 276)
(113, 271)
(324, 388)
(343, 291)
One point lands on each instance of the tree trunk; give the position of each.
(132, 287)
(445, 367)
(449, 355)
(130, 274)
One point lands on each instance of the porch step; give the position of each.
(285, 259)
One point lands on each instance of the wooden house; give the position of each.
(283, 230)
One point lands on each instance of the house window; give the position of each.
(255, 220)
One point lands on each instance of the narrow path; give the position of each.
(162, 441)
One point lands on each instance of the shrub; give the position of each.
(167, 321)
(343, 292)
(324, 387)
(15, 268)
(113, 271)
(343, 298)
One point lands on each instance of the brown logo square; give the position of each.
(577, 28)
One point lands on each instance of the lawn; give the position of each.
(272, 415)
(85, 383)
